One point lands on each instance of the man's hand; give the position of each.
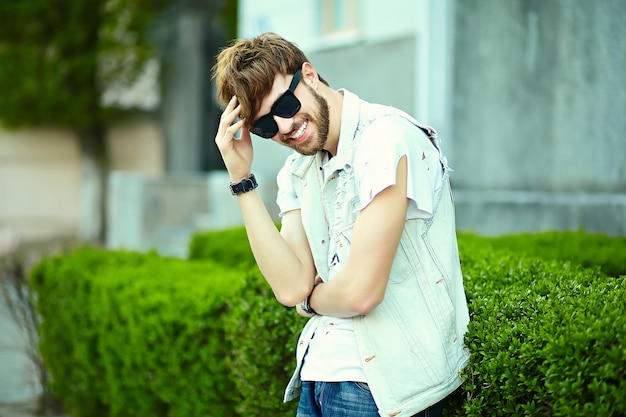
(318, 280)
(236, 152)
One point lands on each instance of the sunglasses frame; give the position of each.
(268, 119)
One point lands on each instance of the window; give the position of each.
(339, 16)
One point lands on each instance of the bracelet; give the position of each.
(243, 186)
(306, 307)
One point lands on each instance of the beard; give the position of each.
(321, 121)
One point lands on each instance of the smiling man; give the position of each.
(367, 245)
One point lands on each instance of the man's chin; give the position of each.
(304, 148)
(305, 151)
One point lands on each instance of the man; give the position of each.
(367, 245)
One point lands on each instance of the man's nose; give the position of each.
(284, 124)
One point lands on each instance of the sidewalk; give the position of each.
(19, 384)
(17, 410)
(18, 381)
(18, 377)
(21, 409)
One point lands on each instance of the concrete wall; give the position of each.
(540, 115)
(163, 212)
(390, 78)
(39, 181)
(137, 146)
(40, 174)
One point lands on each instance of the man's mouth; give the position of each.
(300, 131)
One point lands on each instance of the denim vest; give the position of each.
(410, 345)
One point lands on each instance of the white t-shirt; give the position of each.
(333, 354)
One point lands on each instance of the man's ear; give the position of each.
(310, 75)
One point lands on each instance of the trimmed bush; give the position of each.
(262, 332)
(546, 338)
(263, 335)
(229, 247)
(127, 334)
(526, 312)
(589, 250)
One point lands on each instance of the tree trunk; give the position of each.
(93, 189)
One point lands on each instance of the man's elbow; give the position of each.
(294, 296)
(364, 305)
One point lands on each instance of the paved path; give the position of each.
(18, 380)
(21, 409)
(19, 388)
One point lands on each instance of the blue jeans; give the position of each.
(344, 399)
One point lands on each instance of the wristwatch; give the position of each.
(243, 186)
(304, 305)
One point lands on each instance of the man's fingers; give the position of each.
(227, 133)
(231, 104)
(234, 128)
(229, 123)
(230, 113)
(245, 132)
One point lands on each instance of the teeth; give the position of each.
(300, 131)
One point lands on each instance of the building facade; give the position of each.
(529, 97)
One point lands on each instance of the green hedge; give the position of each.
(146, 336)
(586, 249)
(546, 338)
(229, 247)
(521, 306)
(126, 334)
(263, 333)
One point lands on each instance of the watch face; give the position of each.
(245, 185)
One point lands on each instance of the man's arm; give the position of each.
(361, 285)
(284, 258)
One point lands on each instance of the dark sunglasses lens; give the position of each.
(287, 105)
(265, 127)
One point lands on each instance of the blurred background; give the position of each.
(109, 115)
(108, 111)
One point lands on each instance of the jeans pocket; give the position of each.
(363, 386)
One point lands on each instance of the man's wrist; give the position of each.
(243, 186)
(306, 306)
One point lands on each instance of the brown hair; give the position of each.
(247, 69)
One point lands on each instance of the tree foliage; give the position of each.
(57, 57)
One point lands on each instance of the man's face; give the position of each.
(307, 130)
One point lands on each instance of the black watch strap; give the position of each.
(243, 186)
(306, 307)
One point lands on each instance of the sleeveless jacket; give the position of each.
(411, 345)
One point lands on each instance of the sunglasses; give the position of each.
(286, 106)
